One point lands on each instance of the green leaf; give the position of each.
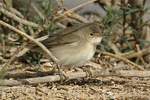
(137, 15)
(106, 7)
(146, 9)
(51, 24)
(141, 40)
(2, 73)
(107, 48)
(126, 8)
(100, 25)
(133, 11)
(102, 47)
(118, 34)
(128, 44)
(145, 23)
(4, 6)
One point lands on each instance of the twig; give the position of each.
(117, 79)
(41, 15)
(31, 38)
(25, 43)
(75, 8)
(37, 11)
(143, 62)
(3, 60)
(27, 9)
(12, 10)
(55, 78)
(139, 28)
(140, 57)
(29, 74)
(16, 18)
(77, 17)
(112, 46)
(39, 89)
(26, 49)
(122, 54)
(16, 12)
(4, 47)
(124, 21)
(44, 26)
(126, 60)
(144, 52)
(124, 17)
(20, 28)
(30, 30)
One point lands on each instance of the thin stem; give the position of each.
(124, 19)
(27, 9)
(105, 25)
(140, 28)
(124, 22)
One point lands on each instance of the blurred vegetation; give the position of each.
(108, 25)
(118, 15)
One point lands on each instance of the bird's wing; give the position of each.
(63, 39)
(65, 36)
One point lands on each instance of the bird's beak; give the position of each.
(105, 35)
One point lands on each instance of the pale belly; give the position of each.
(73, 56)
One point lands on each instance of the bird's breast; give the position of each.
(73, 55)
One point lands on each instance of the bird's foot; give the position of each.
(88, 72)
(62, 75)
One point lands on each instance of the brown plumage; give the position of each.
(73, 46)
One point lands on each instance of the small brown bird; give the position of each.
(73, 46)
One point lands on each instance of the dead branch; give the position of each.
(2, 59)
(121, 54)
(113, 47)
(77, 17)
(55, 78)
(30, 74)
(21, 53)
(16, 18)
(69, 11)
(140, 57)
(126, 60)
(132, 55)
(37, 32)
(32, 39)
(41, 15)
(41, 29)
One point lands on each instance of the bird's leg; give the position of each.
(61, 74)
(88, 72)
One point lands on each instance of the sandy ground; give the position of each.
(95, 88)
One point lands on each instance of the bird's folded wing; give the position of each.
(66, 36)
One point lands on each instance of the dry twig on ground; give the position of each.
(76, 75)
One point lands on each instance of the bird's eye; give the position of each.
(91, 34)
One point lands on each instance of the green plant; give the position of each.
(47, 12)
(118, 15)
(112, 17)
